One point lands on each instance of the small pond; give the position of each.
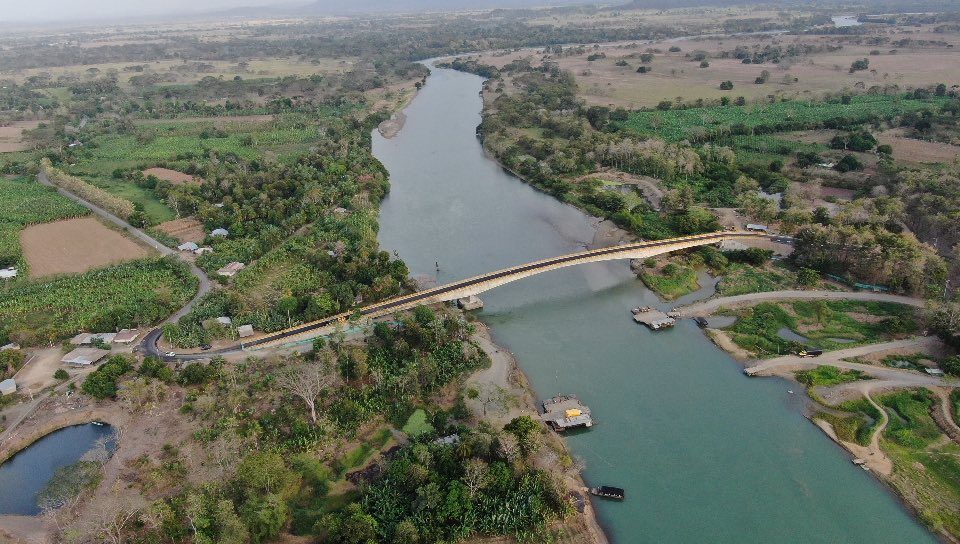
(788, 334)
(25, 474)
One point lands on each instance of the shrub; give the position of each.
(808, 276)
(102, 383)
(849, 163)
(726, 85)
(61, 374)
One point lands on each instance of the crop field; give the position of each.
(174, 177)
(131, 294)
(167, 141)
(11, 136)
(75, 245)
(706, 123)
(186, 229)
(24, 202)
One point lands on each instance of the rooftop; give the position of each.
(84, 356)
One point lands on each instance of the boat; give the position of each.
(97, 423)
(701, 322)
(608, 492)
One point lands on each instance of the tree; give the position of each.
(808, 276)
(307, 381)
(475, 476)
(61, 374)
(726, 85)
(849, 163)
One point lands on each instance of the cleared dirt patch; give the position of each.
(174, 177)
(11, 135)
(187, 229)
(74, 246)
(912, 150)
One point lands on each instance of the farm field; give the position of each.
(186, 229)
(127, 295)
(160, 142)
(174, 177)
(256, 68)
(918, 151)
(11, 136)
(74, 246)
(25, 202)
(704, 123)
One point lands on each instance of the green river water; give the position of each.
(704, 453)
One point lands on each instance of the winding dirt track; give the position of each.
(707, 307)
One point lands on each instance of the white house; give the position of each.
(231, 269)
(84, 356)
(220, 233)
(245, 331)
(8, 273)
(188, 246)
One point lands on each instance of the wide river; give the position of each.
(704, 453)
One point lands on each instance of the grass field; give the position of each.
(131, 294)
(672, 281)
(156, 211)
(825, 324)
(704, 123)
(826, 375)
(925, 466)
(741, 279)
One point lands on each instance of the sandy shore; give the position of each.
(505, 373)
(392, 126)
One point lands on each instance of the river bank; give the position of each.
(505, 373)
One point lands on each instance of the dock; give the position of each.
(564, 412)
(654, 319)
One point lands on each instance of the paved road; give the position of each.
(707, 307)
(205, 285)
(886, 376)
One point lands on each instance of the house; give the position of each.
(85, 338)
(231, 269)
(757, 228)
(245, 331)
(934, 372)
(203, 250)
(8, 273)
(222, 321)
(220, 233)
(9, 346)
(126, 336)
(8, 387)
(84, 356)
(188, 246)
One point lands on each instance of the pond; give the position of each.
(25, 474)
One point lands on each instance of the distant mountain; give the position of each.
(348, 7)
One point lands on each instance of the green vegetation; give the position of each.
(821, 322)
(859, 425)
(128, 295)
(672, 281)
(741, 279)
(154, 210)
(825, 375)
(417, 424)
(113, 204)
(102, 383)
(25, 202)
(698, 124)
(929, 466)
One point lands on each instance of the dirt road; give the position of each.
(884, 376)
(710, 306)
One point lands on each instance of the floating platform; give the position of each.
(564, 412)
(608, 492)
(654, 319)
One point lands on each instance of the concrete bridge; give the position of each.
(490, 280)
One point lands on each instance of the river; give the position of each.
(704, 453)
(25, 474)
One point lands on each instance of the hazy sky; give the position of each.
(65, 10)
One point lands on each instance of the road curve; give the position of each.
(205, 285)
(707, 307)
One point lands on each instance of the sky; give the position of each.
(65, 10)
